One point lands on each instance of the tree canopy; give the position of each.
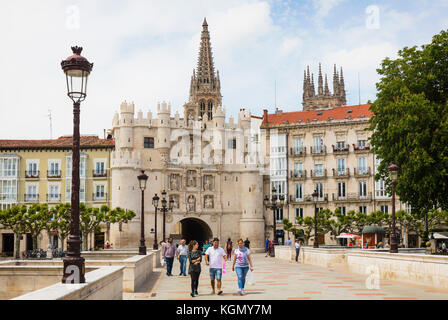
(410, 123)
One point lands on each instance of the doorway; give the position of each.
(195, 229)
(8, 244)
(29, 242)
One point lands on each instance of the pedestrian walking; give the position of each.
(229, 249)
(194, 268)
(205, 246)
(242, 258)
(267, 246)
(443, 247)
(168, 253)
(247, 243)
(297, 244)
(214, 258)
(181, 253)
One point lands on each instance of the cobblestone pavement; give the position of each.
(283, 280)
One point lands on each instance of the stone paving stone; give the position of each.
(289, 281)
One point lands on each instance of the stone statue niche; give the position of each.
(191, 178)
(175, 198)
(208, 202)
(175, 182)
(191, 204)
(208, 183)
(190, 119)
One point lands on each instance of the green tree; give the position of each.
(410, 123)
(338, 223)
(61, 221)
(13, 218)
(118, 215)
(36, 219)
(308, 227)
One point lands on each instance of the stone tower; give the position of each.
(205, 86)
(324, 98)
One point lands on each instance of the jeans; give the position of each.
(194, 280)
(169, 264)
(241, 273)
(183, 264)
(297, 253)
(215, 273)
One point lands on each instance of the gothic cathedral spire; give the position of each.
(205, 86)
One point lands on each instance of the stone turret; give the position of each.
(126, 123)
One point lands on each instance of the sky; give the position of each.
(145, 52)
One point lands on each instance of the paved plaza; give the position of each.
(283, 280)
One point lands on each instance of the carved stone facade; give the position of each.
(205, 163)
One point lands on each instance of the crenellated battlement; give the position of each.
(164, 108)
(127, 107)
(125, 159)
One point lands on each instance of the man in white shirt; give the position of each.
(214, 257)
(181, 254)
(297, 244)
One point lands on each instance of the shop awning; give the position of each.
(440, 235)
(348, 236)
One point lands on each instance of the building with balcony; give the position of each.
(39, 171)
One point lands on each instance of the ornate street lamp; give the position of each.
(155, 203)
(142, 178)
(165, 210)
(393, 170)
(316, 242)
(77, 70)
(274, 205)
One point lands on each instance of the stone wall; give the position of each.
(105, 283)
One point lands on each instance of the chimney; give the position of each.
(265, 116)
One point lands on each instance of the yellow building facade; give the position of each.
(39, 171)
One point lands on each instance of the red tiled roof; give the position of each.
(338, 113)
(60, 143)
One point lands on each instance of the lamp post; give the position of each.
(393, 170)
(274, 205)
(316, 242)
(155, 203)
(165, 209)
(142, 178)
(77, 70)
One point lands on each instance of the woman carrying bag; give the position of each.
(242, 258)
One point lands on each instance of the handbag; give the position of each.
(162, 261)
(250, 279)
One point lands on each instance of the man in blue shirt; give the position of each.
(267, 246)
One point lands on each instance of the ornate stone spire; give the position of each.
(205, 88)
(335, 82)
(342, 89)
(313, 91)
(326, 90)
(320, 88)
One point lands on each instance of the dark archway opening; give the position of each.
(195, 229)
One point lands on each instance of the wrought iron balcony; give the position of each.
(99, 196)
(32, 174)
(341, 173)
(55, 174)
(309, 197)
(51, 197)
(99, 174)
(358, 148)
(337, 150)
(319, 151)
(353, 197)
(320, 174)
(298, 152)
(298, 174)
(363, 172)
(33, 197)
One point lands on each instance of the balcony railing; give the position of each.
(363, 172)
(51, 197)
(55, 174)
(99, 174)
(320, 174)
(320, 151)
(352, 196)
(33, 197)
(294, 199)
(99, 196)
(358, 148)
(298, 151)
(341, 173)
(298, 174)
(340, 150)
(32, 174)
(324, 198)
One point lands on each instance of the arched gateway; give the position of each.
(195, 229)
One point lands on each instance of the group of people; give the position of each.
(269, 244)
(215, 258)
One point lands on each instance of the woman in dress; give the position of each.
(195, 258)
(242, 258)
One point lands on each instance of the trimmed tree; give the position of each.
(13, 218)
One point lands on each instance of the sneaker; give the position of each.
(213, 292)
(180, 274)
(242, 292)
(192, 294)
(219, 292)
(196, 292)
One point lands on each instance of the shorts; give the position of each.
(215, 273)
